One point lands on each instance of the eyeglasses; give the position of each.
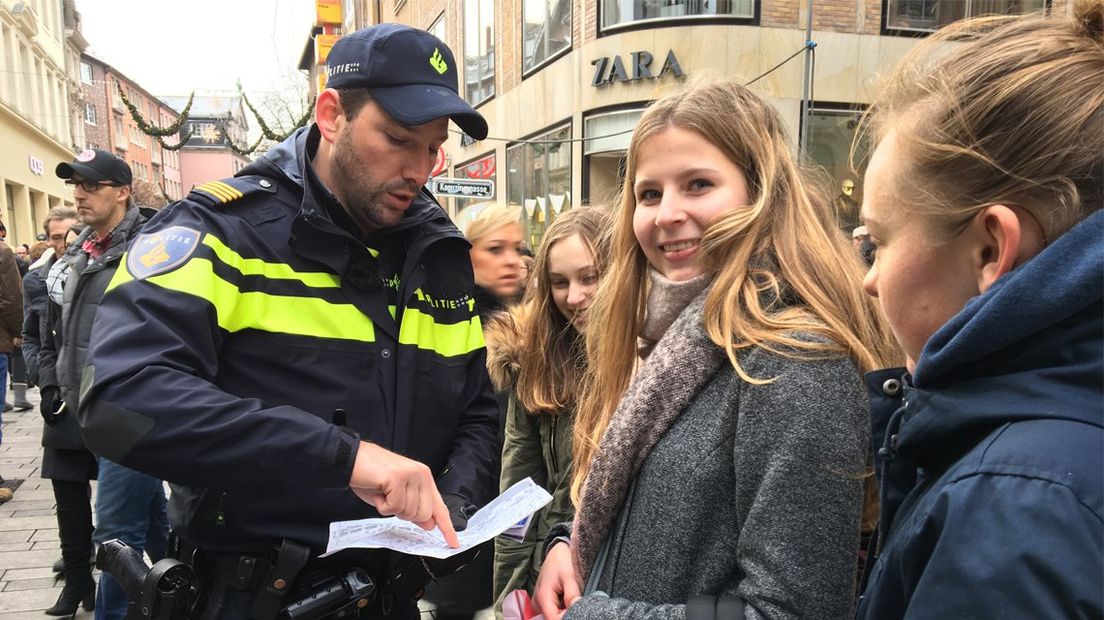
(90, 186)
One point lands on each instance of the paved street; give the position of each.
(28, 528)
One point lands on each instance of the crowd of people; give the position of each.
(738, 409)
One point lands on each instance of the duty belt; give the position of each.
(270, 577)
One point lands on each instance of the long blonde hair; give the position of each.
(1014, 116)
(551, 362)
(782, 266)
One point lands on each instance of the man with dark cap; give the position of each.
(129, 505)
(297, 345)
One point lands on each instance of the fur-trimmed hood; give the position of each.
(503, 336)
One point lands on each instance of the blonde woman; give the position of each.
(723, 473)
(496, 237)
(984, 196)
(536, 352)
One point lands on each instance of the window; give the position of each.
(479, 59)
(929, 15)
(607, 140)
(120, 132)
(438, 27)
(546, 31)
(623, 12)
(539, 179)
(116, 100)
(86, 72)
(482, 168)
(831, 132)
(90, 114)
(348, 15)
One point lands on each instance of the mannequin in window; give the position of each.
(847, 210)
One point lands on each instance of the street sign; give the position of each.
(465, 188)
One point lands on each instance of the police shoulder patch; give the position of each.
(162, 251)
(217, 193)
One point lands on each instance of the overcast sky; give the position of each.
(172, 47)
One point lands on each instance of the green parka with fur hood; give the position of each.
(537, 446)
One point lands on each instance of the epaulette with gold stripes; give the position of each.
(218, 193)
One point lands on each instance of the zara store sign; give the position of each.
(609, 70)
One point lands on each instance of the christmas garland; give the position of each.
(178, 145)
(150, 129)
(246, 151)
(161, 132)
(267, 132)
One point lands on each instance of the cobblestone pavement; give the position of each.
(28, 527)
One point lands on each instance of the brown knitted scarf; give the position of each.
(666, 301)
(682, 362)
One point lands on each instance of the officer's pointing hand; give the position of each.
(396, 485)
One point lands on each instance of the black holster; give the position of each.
(167, 591)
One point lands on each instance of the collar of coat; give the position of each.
(682, 362)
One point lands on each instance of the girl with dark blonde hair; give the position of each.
(725, 469)
(983, 200)
(536, 352)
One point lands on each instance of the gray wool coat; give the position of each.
(754, 491)
(61, 358)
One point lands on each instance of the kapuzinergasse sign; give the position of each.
(466, 188)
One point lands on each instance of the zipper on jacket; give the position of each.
(220, 514)
(552, 442)
(887, 458)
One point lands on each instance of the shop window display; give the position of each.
(831, 132)
(539, 179)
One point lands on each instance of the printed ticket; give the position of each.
(516, 504)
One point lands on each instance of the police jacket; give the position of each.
(245, 319)
(991, 469)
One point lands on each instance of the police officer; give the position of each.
(298, 344)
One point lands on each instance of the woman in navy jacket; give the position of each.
(983, 199)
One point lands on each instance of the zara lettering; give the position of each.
(608, 71)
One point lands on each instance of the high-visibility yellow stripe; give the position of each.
(304, 316)
(419, 329)
(122, 274)
(275, 271)
(282, 314)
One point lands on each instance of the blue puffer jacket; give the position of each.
(992, 469)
